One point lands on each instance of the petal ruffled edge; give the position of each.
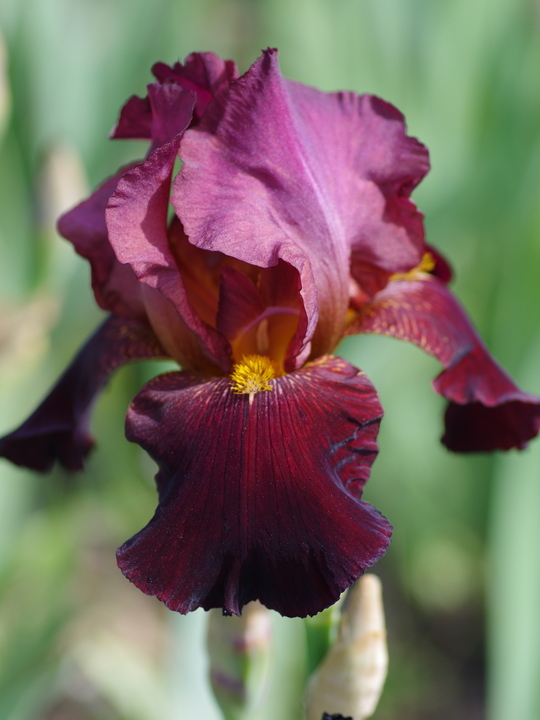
(487, 410)
(259, 496)
(58, 429)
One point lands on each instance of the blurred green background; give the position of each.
(462, 578)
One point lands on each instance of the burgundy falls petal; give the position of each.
(58, 429)
(250, 507)
(487, 411)
(276, 170)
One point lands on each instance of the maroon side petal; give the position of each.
(487, 410)
(260, 496)
(58, 429)
(115, 286)
(137, 223)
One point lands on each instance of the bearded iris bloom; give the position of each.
(292, 226)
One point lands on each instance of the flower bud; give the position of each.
(350, 679)
(239, 650)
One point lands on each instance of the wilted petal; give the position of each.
(58, 429)
(115, 286)
(259, 497)
(310, 176)
(487, 410)
(137, 223)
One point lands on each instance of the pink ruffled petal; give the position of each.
(172, 111)
(137, 223)
(135, 121)
(115, 286)
(259, 496)
(487, 410)
(58, 429)
(205, 74)
(278, 170)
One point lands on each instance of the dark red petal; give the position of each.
(492, 412)
(259, 497)
(477, 428)
(135, 121)
(115, 286)
(58, 429)
(240, 303)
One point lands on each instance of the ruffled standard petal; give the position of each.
(203, 74)
(115, 286)
(277, 170)
(58, 429)
(487, 410)
(259, 495)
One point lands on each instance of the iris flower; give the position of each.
(288, 226)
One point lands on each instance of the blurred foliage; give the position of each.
(78, 642)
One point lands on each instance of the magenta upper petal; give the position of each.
(115, 286)
(204, 74)
(137, 223)
(58, 429)
(159, 117)
(277, 170)
(172, 111)
(259, 497)
(135, 121)
(487, 410)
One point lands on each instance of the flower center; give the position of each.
(253, 374)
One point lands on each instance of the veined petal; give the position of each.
(277, 170)
(137, 223)
(259, 495)
(115, 286)
(58, 429)
(487, 410)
